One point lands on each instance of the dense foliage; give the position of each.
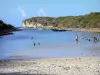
(91, 20)
(5, 26)
(6, 29)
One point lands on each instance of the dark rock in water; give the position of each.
(5, 33)
(61, 30)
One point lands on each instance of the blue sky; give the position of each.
(14, 11)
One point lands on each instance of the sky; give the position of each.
(14, 11)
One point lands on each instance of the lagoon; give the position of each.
(52, 45)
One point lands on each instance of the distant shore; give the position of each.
(53, 66)
(85, 29)
(70, 29)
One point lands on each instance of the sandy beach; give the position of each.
(52, 66)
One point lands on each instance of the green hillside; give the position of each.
(91, 20)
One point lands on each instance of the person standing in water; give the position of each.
(76, 38)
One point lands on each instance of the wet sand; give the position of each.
(53, 66)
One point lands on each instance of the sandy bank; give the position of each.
(84, 29)
(59, 66)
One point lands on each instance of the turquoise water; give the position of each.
(52, 45)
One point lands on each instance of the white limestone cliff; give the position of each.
(27, 24)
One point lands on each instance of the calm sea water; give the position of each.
(52, 45)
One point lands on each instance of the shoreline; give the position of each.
(85, 30)
(52, 66)
(8, 31)
(70, 29)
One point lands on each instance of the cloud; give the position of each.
(41, 12)
(22, 11)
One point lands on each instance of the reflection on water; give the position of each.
(48, 44)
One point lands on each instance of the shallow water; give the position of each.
(52, 45)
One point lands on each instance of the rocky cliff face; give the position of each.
(28, 24)
(40, 22)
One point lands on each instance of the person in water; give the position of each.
(34, 44)
(95, 39)
(98, 39)
(82, 38)
(76, 37)
(89, 40)
(39, 44)
(31, 37)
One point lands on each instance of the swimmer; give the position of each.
(31, 37)
(89, 40)
(82, 38)
(38, 43)
(34, 44)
